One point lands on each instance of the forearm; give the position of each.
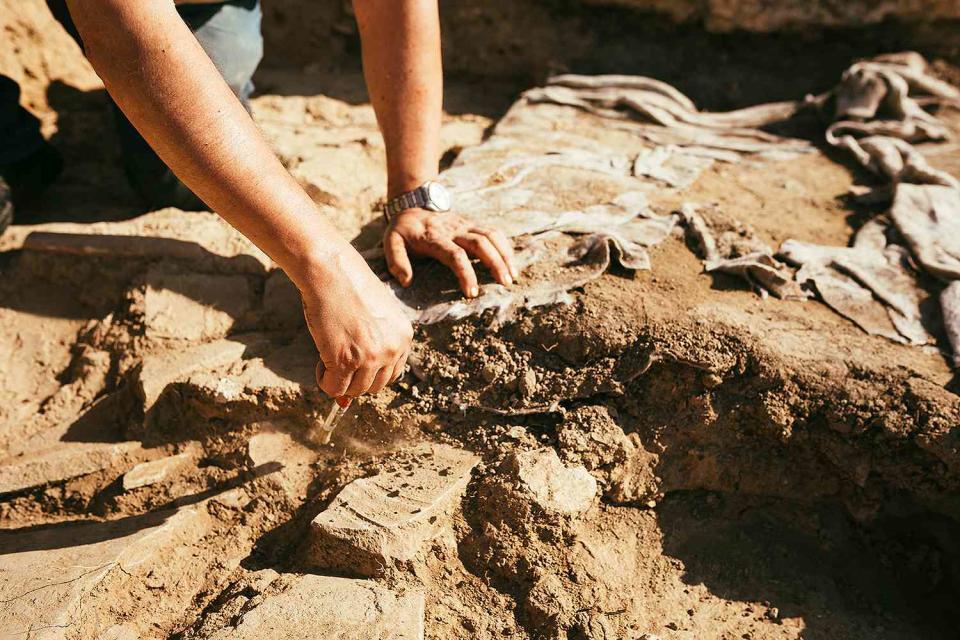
(403, 70)
(166, 85)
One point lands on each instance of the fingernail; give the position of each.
(344, 401)
(474, 292)
(508, 280)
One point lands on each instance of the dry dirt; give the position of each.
(669, 456)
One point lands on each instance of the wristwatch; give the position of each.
(431, 196)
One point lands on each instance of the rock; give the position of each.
(65, 579)
(159, 370)
(313, 606)
(589, 436)
(202, 240)
(553, 487)
(549, 603)
(193, 306)
(528, 383)
(277, 446)
(64, 461)
(387, 519)
(154, 471)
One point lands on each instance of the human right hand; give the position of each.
(357, 324)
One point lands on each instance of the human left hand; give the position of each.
(451, 239)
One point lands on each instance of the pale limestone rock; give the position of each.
(315, 606)
(57, 581)
(202, 240)
(159, 370)
(388, 518)
(64, 461)
(555, 488)
(193, 306)
(277, 446)
(154, 471)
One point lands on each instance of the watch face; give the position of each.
(438, 196)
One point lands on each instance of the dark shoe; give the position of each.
(28, 177)
(6, 206)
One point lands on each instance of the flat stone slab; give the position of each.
(333, 609)
(162, 369)
(387, 519)
(154, 471)
(58, 582)
(64, 461)
(202, 240)
(193, 306)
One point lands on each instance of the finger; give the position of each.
(382, 379)
(481, 247)
(398, 262)
(503, 245)
(361, 382)
(452, 255)
(333, 382)
(399, 367)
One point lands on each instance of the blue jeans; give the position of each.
(230, 34)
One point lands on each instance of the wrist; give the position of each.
(316, 266)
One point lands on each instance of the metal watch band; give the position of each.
(408, 200)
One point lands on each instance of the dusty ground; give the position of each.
(762, 468)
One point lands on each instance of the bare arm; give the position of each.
(403, 69)
(166, 85)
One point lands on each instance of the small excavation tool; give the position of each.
(337, 411)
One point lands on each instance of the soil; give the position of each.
(765, 469)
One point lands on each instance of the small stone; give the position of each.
(711, 380)
(227, 390)
(489, 372)
(154, 471)
(528, 383)
(555, 488)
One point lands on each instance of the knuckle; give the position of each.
(350, 358)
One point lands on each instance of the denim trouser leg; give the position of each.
(230, 34)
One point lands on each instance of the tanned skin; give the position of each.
(166, 85)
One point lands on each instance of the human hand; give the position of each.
(357, 324)
(450, 239)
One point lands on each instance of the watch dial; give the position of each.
(439, 196)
